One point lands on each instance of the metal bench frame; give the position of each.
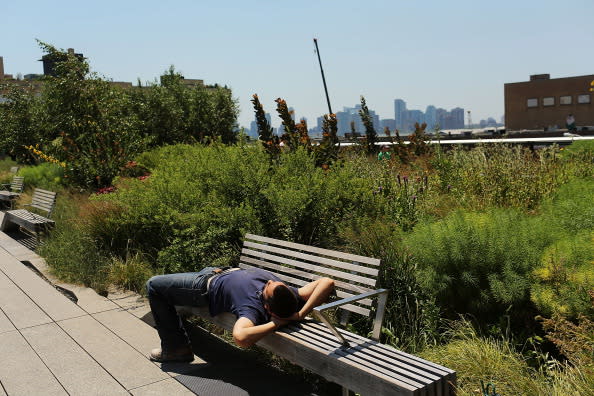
(357, 363)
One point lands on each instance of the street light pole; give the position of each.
(323, 78)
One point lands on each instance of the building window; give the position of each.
(548, 101)
(565, 100)
(532, 102)
(584, 98)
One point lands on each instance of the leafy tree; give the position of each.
(86, 121)
(18, 121)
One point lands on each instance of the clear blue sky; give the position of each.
(445, 53)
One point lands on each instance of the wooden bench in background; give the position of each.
(12, 190)
(360, 364)
(42, 201)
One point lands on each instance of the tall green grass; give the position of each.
(496, 361)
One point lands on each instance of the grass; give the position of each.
(496, 361)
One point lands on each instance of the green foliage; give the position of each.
(172, 112)
(327, 152)
(73, 257)
(579, 156)
(477, 359)
(270, 141)
(412, 317)
(564, 277)
(370, 133)
(85, 122)
(499, 175)
(418, 140)
(96, 127)
(480, 263)
(130, 273)
(291, 135)
(45, 175)
(18, 121)
(572, 206)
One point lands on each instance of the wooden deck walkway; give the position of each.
(53, 346)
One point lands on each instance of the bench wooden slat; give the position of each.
(418, 371)
(388, 351)
(316, 259)
(298, 283)
(365, 366)
(402, 375)
(323, 361)
(313, 249)
(312, 267)
(308, 276)
(41, 200)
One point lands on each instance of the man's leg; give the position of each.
(167, 291)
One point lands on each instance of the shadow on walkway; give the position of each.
(231, 371)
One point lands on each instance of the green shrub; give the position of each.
(579, 158)
(498, 175)
(45, 175)
(565, 276)
(572, 206)
(198, 202)
(477, 359)
(412, 318)
(73, 257)
(130, 274)
(479, 263)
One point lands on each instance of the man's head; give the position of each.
(279, 300)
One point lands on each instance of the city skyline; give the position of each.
(458, 54)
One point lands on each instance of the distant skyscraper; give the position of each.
(400, 113)
(441, 118)
(430, 119)
(415, 116)
(457, 118)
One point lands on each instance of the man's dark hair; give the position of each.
(283, 302)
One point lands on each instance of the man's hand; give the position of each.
(279, 322)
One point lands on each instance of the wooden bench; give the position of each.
(12, 190)
(360, 364)
(43, 201)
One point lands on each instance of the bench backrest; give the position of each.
(44, 200)
(17, 184)
(298, 264)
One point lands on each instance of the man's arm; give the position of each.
(314, 293)
(246, 334)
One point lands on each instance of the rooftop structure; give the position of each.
(544, 102)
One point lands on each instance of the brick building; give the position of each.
(544, 102)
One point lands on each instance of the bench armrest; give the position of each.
(377, 322)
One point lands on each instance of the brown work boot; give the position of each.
(181, 354)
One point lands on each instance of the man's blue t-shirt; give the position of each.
(240, 292)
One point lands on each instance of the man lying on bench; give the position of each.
(261, 302)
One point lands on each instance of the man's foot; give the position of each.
(182, 354)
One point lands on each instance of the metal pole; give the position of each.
(323, 78)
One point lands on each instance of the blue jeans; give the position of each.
(167, 291)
